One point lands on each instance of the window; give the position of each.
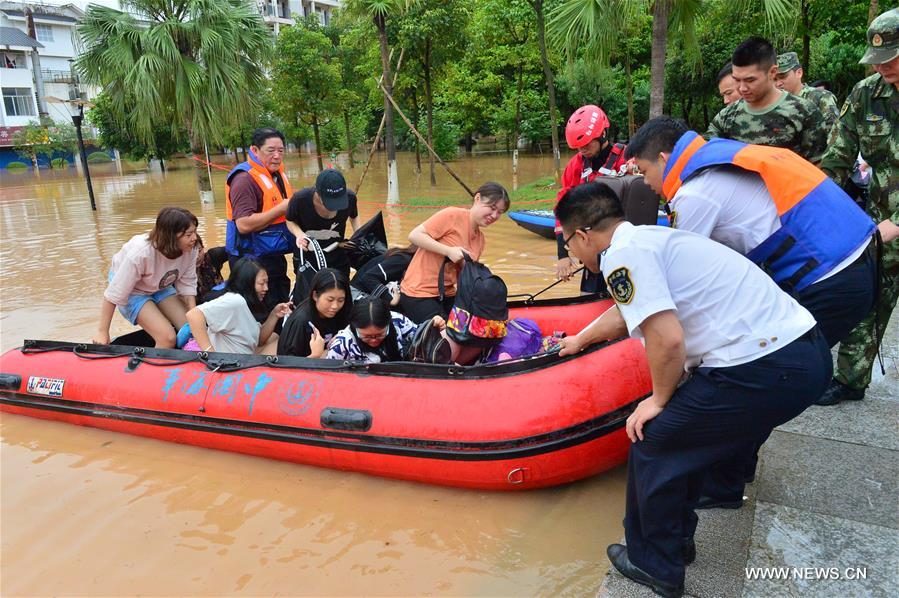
(44, 33)
(14, 60)
(18, 101)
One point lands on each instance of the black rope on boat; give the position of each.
(531, 297)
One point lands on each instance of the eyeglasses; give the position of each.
(372, 337)
(571, 236)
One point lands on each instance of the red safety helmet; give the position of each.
(586, 124)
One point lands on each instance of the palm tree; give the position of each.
(203, 60)
(596, 24)
(381, 11)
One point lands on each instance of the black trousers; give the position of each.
(716, 414)
(838, 304)
(421, 309)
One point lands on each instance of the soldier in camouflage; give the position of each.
(789, 78)
(766, 115)
(869, 124)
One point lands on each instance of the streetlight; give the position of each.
(76, 111)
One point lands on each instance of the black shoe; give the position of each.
(618, 555)
(707, 502)
(689, 551)
(837, 392)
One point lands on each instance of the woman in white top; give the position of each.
(228, 324)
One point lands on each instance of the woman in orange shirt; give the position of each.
(447, 235)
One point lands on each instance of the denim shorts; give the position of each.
(136, 302)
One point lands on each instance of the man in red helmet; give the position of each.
(596, 156)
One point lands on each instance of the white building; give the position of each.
(281, 13)
(55, 45)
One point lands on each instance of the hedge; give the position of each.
(98, 158)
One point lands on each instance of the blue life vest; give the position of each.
(820, 225)
(275, 239)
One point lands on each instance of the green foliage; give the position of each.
(59, 163)
(446, 135)
(16, 166)
(200, 63)
(168, 136)
(333, 134)
(44, 139)
(98, 158)
(306, 77)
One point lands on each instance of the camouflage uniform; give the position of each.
(791, 122)
(869, 123)
(824, 100)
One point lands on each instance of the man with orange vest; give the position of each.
(256, 194)
(781, 212)
(597, 156)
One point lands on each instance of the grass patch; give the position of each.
(16, 166)
(541, 189)
(59, 163)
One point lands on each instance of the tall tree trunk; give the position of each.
(415, 118)
(236, 157)
(429, 106)
(631, 121)
(705, 116)
(204, 185)
(349, 137)
(393, 190)
(550, 85)
(516, 130)
(659, 48)
(318, 144)
(469, 142)
(806, 35)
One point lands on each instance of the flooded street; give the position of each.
(91, 512)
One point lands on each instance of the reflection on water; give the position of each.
(93, 512)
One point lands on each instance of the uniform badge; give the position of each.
(672, 219)
(845, 108)
(621, 286)
(876, 40)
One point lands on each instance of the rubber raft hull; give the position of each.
(525, 424)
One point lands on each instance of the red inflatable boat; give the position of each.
(526, 423)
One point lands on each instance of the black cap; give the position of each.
(331, 188)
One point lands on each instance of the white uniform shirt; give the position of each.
(230, 324)
(730, 310)
(733, 206)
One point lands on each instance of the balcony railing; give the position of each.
(54, 76)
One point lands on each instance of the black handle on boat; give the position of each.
(10, 381)
(537, 294)
(358, 420)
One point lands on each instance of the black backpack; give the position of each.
(481, 310)
(429, 346)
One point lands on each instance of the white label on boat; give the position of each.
(49, 387)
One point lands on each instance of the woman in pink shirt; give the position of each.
(153, 279)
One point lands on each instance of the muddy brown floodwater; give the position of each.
(90, 512)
